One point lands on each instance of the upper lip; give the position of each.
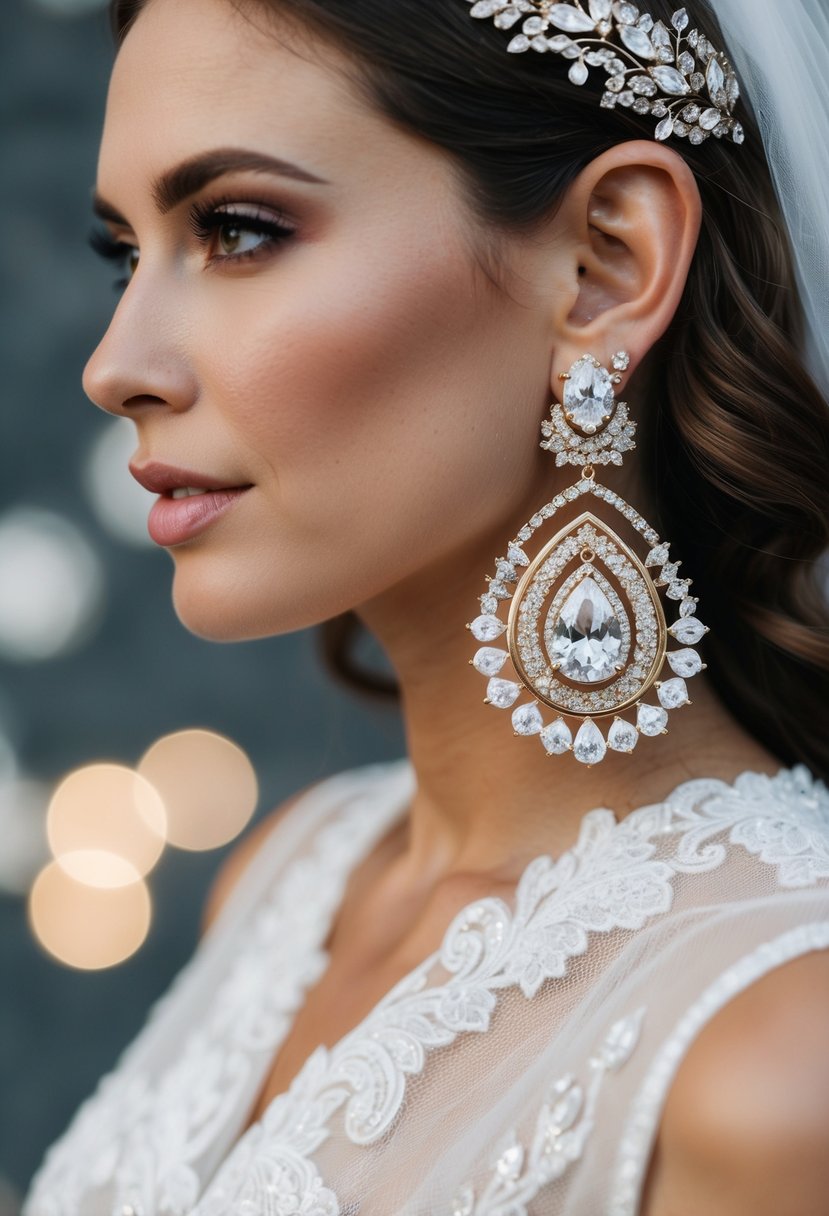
(161, 478)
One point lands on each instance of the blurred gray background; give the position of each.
(127, 671)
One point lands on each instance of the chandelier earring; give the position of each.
(586, 619)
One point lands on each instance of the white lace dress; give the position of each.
(519, 1071)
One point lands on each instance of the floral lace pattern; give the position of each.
(561, 1130)
(782, 820)
(144, 1141)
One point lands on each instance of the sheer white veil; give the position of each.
(780, 51)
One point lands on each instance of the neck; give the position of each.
(486, 800)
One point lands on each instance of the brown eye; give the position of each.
(237, 235)
(229, 238)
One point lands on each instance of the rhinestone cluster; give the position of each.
(675, 74)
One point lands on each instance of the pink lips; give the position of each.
(173, 520)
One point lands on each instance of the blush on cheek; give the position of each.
(367, 396)
(360, 362)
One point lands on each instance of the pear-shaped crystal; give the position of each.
(673, 693)
(527, 720)
(685, 662)
(557, 738)
(589, 746)
(622, 737)
(588, 395)
(587, 637)
(688, 630)
(651, 719)
(489, 660)
(502, 693)
(487, 628)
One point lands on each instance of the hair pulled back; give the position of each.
(736, 453)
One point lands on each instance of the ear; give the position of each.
(631, 221)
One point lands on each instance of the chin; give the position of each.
(227, 607)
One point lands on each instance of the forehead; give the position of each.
(195, 74)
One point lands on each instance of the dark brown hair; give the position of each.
(736, 453)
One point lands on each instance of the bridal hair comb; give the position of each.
(678, 77)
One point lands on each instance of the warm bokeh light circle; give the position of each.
(208, 785)
(89, 927)
(109, 808)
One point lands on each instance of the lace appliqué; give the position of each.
(618, 876)
(143, 1143)
(783, 820)
(611, 879)
(561, 1130)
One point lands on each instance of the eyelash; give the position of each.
(204, 220)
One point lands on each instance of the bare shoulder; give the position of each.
(746, 1124)
(240, 857)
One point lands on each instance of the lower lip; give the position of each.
(173, 520)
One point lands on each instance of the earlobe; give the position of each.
(635, 215)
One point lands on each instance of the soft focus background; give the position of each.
(94, 666)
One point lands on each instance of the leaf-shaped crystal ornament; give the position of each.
(679, 62)
(586, 630)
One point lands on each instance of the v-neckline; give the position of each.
(212, 1036)
(597, 818)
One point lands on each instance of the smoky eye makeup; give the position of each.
(211, 221)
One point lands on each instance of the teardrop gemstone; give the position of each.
(587, 637)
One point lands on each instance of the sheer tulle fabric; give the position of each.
(521, 1069)
(780, 53)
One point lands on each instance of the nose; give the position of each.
(140, 362)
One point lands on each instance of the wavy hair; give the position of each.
(736, 453)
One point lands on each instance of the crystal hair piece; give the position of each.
(678, 77)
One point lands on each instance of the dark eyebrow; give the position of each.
(177, 184)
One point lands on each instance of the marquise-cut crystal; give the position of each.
(566, 1111)
(489, 660)
(527, 720)
(637, 40)
(589, 746)
(671, 81)
(622, 737)
(565, 17)
(587, 638)
(557, 737)
(588, 395)
(657, 556)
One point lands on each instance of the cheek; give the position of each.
(375, 399)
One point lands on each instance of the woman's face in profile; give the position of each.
(344, 354)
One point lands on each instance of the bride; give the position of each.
(400, 260)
